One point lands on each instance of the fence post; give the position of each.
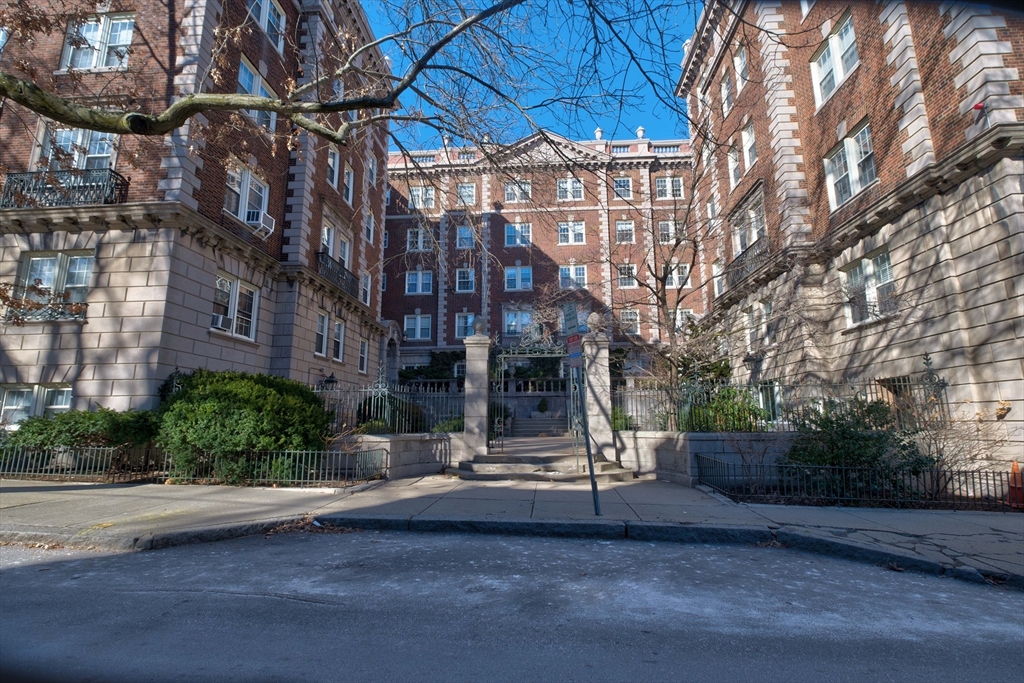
(478, 349)
(599, 394)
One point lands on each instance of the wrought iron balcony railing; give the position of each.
(752, 258)
(26, 307)
(337, 273)
(64, 188)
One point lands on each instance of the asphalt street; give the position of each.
(392, 606)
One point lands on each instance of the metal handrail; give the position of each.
(749, 260)
(64, 188)
(332, 269)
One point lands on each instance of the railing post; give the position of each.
(599, 394)
(478, 349)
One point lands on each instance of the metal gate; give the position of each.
(535, 342)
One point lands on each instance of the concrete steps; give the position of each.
(539, 426)
(544, 459)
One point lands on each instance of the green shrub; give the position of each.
(542, 407)
(80, 428)
(373, 427)
(622, 421)
(220, 418)
(391, 415)
(455, 424)
(727, 409)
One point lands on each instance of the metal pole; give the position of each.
(586, 437)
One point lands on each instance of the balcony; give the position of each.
(337, 273)
(28, 306)
(755, 256)
(64, 188)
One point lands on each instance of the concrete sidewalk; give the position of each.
(967, 545)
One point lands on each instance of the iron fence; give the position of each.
(108, 464)
(73, 187)
(862, 486)
(384, 408)
(770, 406)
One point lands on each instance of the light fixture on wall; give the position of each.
(752, 362)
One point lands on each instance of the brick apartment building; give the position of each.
(865, 162)
(506, 235)
(219, 248)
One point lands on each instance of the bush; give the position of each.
(219, 418)
(542, 407)
(621, 421)
(80, 429)
(454, 424)
(390, 415)
(726, 410)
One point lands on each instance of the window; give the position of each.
(624, 233)
(623, 188)
(627, 276)
(582, 314)
(727, 93)
(77, 148)
(371, 170)
(749, 148)
(320, 342)
(518, 234)
(753, 316)
(718, 278)
(236, 305)
(347, 184)
(269, 15)
(834, 61)
(247, 196)
(65, 277)
(870, 289)
(20, 402)
(332, 165)
(465, 280)
(463, 329)
(768, 324)
(518, 277)
(666, 232)
(327, 238)
(364, 289)
(517, 191)
(459, 370)
(845, 179)
(678, 276)
(383, 282)
(712, 207)
(343, 251)
(368, 228)
(249, 83)
(572, 277)
(419, 282)
(739, 60)
(805, 6)
(466, 194)
(338, 350)
(417, 327)
(668, 188)
(417, 239)
(464, 238)
(99, 42)
(570, 189)
(571, 233)
(3, 39)
(364, 355)
(734, 167)
(421, 197)
(517, 321)
(629, 322)
(748, 224)
(677, 319)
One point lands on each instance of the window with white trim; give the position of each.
(21, 401)
(570, 189)
(365, 285)
(748, 225)
(753, 316)
(749, 147)
(383, 282)
(572, 277)
(850, 166)
(417, 239)
(805, 7)
(327, 233)
(59, 278)
(419, 282)
(518, 234)
(571, 232)
(518, 278)
(734, 167)
(338, 341)
(834, 60)
(678, 276)
(421, 197)
(417, 327)
(623, 188)
(271, 18)
(464, 238)
(332, 165)
(99, 42)
(582, 313)
(463, 329)
(668, 188)
(718, 277)
(247, 196)
(320, 341)
(518, 191)
(626, 275)
(677, 319)
(466, 194)
(465, 280)
(343, 251)
(369, 227)
(371, 170)
(347, 184)
(870, 288)
(236, 306)
(364, 355)
(624, 232)
(728, 93)
(629, 322)
(739, 60)
(768, 323)
(666, 232)
(65, 148)
(3, 38)
(517, 320)
(251, 83)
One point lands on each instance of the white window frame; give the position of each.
(263, 18)
(100, 45)
(572, 233)
(856, 153)
(417, 239)
(521, 234)
(419, 282)
(749, 146)
(338, 341)
(230, 303)
(348, 188)
(463, 198)
(320, 340)
(364, 355)
(365, 288)
(833, 57)
(42, 400)
(83, 148)
(626, 273)
(518, 280)
(518, 191)
(629, 322)
(333, 160)
(874, 275)
(718, 278)
(248, 182)
(728, 93)
(259, 88)
(462, 276)
(328, 237)
(622, 188)
(748, 224)
(522, 317)
(463, 328)
(739, 60)
(569, 189)
(369, 226)
(667, 232)
(668, 187)
(420, 322)
(735, 173)
(464, 237)
(678, 276)
(421, 197)
(66, 279)
(572, 276)
(620, 229)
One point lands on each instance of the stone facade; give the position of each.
(172, 276)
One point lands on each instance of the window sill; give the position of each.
(571, 244)
(836, 89)
(407, 294)
(91, 70)
(465, 291)
(855, 328)
(854, 196)
(518, 246)
(233, 337)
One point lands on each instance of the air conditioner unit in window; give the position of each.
(221, 322)
(261, 222)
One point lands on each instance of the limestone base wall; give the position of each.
(415, 455)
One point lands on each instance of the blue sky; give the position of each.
(644, 108)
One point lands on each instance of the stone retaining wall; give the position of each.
(415, 455)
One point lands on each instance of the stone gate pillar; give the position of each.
(599, 395)
(478, 384)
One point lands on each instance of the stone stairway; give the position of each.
(539, 426)
(538, 459)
